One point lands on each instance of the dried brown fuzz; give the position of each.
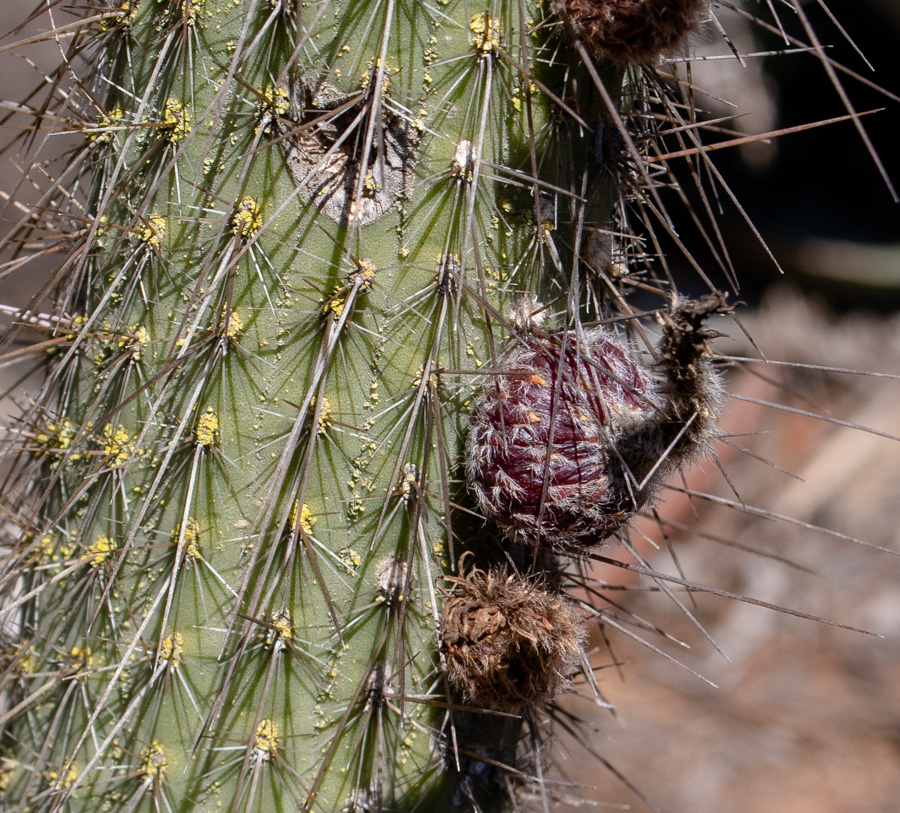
(692, 386)
(631, 30)
(572, 438)
(509, 642)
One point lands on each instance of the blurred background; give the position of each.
(816, 196)
(805, 717)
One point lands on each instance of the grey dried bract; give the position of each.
(324, 133)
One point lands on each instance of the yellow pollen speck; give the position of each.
(235, 324)
(275, 101)
(246, 220)
(364, 274)
(176, 119)
(371, 184)
(334, 305)
(102, 132)
(190, 9)
(173, 649)
(207, 432)
(43, 550)
(303, 517)
(283, 629)
(117, 444)
(152, 230)
(99, 551)
(324, 416)
(419, 377)
(266, 741)
(25, 662)
(70, 777)
(191, 536)
(57, 435)
(485, 33)
(81, 658)
(350, 559)
(138, 337)
(153, 761)
(124, 15)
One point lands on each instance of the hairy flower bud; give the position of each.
(573, 435)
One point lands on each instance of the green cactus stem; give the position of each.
(305, 234)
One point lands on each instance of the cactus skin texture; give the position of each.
(306, 243)
(248, 465)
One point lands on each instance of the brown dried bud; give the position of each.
(509, 642)
(631, 30)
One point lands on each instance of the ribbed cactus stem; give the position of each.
(306, 234)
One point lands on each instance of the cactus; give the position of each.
(299, 239)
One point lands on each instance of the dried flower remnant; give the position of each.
(631, 31)
(509, 642)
